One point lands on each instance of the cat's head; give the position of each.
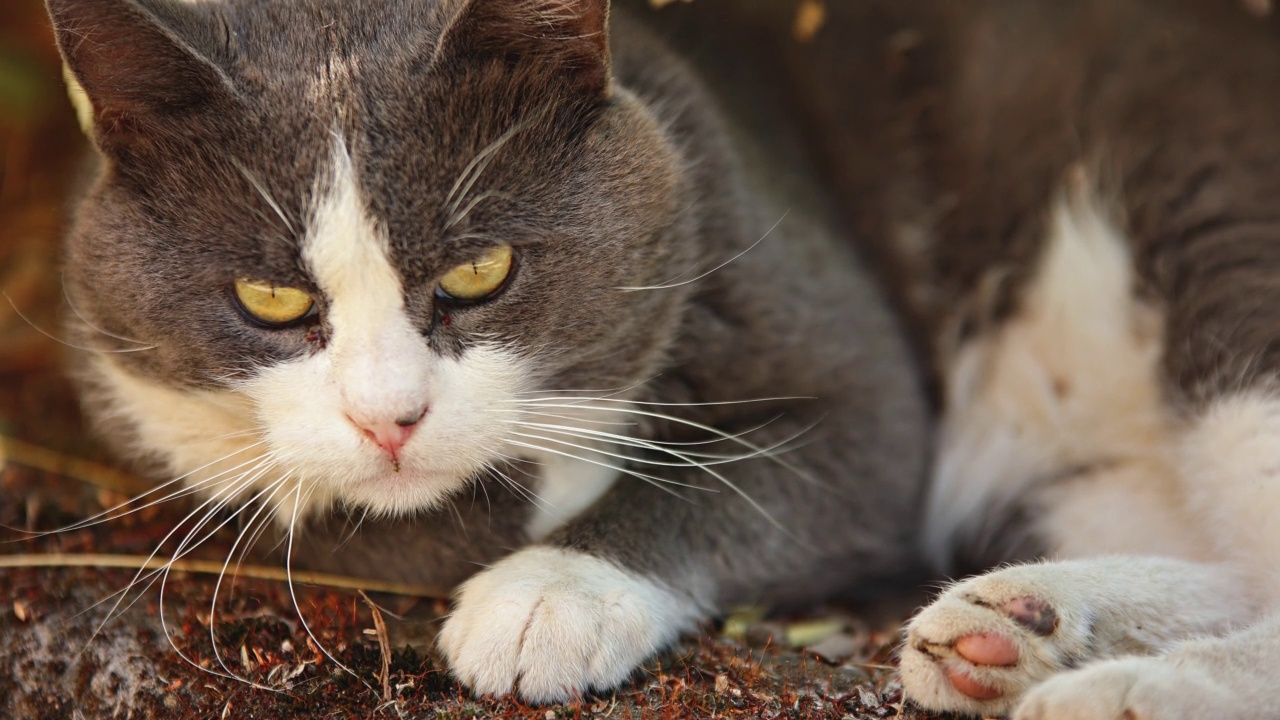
(336, 247)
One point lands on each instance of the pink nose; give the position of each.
(390, 435)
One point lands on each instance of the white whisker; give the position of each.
(76, 311)
(73, 346)
(262, 190)
(107, 516)
(673, 284)
(659, 483)
(293, 595)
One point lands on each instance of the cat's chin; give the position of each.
(400, 493)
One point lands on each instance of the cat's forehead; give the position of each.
(306, 34)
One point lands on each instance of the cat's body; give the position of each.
(1080, 199)
(268, 262)
(1076, 199)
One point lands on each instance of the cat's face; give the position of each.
(349, 242)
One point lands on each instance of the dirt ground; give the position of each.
(67, 651)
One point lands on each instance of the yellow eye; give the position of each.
(273, 305)
(479, 279)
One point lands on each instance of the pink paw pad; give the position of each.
(990, 649)
(993, 649)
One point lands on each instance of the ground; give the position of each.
(65, 653)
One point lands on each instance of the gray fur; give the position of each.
(625, 173)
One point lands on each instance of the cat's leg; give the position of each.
(1226, 678)
(1058, 414)
(583, 608)
(990, 639)
(1231, 467)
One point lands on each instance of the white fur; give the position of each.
(554, 623)
(1070, 383)
(1105, 606)
(1231, 469)
(1224, 678)
(568, 486)
(1060, 408)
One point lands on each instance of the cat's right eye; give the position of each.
(273, 306)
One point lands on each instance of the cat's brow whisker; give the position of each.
(73, 346)
(262, 190)
(673, 284)
(462, 214)
(474, 169)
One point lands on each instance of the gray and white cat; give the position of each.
(388, 258)
(1082, 201)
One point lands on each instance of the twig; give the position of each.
(384, 643)
(216, 567)
(23, 453)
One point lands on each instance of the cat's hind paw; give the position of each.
(986, 641)
(1138, 688)
(551, 624)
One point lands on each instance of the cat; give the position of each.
(1079, 202)
(363, 263)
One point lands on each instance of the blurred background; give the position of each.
(39, 147)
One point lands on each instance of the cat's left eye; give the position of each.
(480, 278)
(271, 305)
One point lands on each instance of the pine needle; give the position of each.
(215, 567)
(19, 452)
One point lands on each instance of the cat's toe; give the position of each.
(985, 642)
(1127, 689)
(552, 623)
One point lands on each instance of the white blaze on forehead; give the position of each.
(380, 357)
(346, 253)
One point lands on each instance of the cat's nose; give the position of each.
(390, 435)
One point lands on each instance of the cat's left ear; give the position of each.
(569, 37)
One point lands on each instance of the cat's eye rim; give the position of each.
(507, 261)
(288, 307)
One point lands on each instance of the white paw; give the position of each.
(1128, 689)
(986, 641)
(552, 623)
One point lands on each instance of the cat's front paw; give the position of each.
(1139, 688)
(551, 623)
(986, 641)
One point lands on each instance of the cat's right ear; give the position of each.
(137, 63)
